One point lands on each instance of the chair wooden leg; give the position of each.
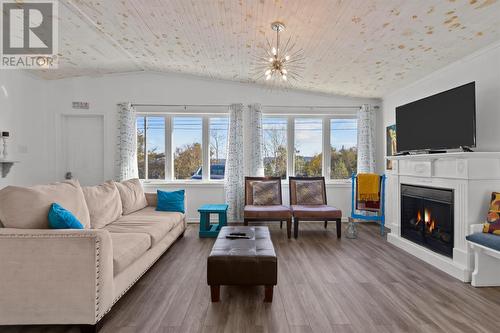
(295, 227)
(326, 224)
(215, 293)
(289, 228)
(281, 224)
(339, 229)
(245, 222)
(268, 291)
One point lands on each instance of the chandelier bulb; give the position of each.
(268, 72)
(274, 51)
(287, 58)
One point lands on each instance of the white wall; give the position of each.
(23, 114)
(484, 68)
(35, 119)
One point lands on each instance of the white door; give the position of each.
(83, 148)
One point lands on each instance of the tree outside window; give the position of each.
(151, 138)
(343, 145)
(308, 147)
(187, 138)
(274, 131)
(218, 147)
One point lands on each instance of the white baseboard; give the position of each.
(196, 220)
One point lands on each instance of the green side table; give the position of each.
(208, 230)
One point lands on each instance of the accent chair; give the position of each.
(263, 202)
(308, 203)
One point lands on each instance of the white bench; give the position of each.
(486, 261)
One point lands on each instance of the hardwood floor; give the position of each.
(324, 285)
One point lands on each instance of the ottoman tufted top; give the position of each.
(243, 261)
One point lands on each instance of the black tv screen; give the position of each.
(443, 121)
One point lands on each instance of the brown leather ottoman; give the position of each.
(243, 261)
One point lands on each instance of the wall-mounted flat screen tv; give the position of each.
(443, 121)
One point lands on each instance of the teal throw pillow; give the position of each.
(61, 218)
(170, 201)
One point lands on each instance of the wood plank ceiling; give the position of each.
(356, 47)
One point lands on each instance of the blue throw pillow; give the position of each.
(60, 218)
(170, 201)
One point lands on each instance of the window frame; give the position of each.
(290, 171)
(326, 142)
(169, 149)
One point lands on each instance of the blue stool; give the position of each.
(208, 230)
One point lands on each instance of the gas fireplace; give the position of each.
(427, 217)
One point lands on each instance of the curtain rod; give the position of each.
(264, 106)
(183, 105)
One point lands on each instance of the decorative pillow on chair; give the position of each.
(266, 193)
(170, 201)
(492, 224)
(309, 192)
(60, 218)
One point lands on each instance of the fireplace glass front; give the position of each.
(427, 217)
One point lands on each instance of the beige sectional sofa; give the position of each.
(75, 276)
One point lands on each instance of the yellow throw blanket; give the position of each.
(368, 187)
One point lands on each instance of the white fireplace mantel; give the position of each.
(471, 175)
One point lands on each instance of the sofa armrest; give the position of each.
(55, 276)
(475, 228)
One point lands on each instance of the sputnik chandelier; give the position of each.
(280, 63)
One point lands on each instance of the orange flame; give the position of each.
(432, 226)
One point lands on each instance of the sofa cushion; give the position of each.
(104, 203)
(149, 221)
(127, 248)
(132, 195)
(316, 211)
(274, 212)
(28, 207)
(489, 240)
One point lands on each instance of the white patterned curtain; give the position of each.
(127, 143)
(234, 176)
(366, 139)
(256, 158)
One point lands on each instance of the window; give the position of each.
(308, 147)
(274, 132)
(178, 146)
(186, 139)
(218, 147)
(344, 151)
(151, 139)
